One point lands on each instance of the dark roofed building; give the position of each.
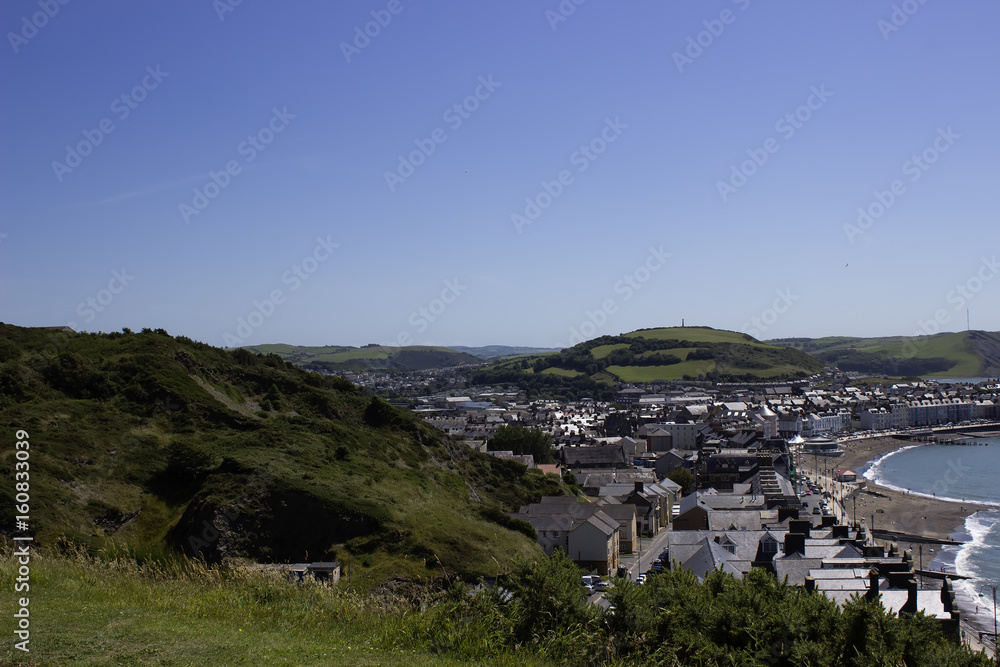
(602, 456)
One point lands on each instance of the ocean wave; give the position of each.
(979, 527)
(875, 466)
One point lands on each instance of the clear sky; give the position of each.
(499, 172)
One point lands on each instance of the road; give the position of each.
(649, 550)
(836, 490)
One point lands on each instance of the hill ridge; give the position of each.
(154, 443)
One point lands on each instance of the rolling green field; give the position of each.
(651, 373)
(602, 351)
(695, 335)
(957, 354)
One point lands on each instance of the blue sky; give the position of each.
(505, 172)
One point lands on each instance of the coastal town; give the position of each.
(740, 476)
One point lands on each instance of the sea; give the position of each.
(969, 475)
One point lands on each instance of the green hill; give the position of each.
(959, 354)
(170, 444)
(334, 358)
(594, 367)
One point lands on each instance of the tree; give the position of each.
(683, 477)
(273, 399)
(521, 440)
(547, 598)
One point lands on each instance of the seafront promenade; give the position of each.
(893, 515)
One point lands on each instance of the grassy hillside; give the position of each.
(170, 444)
(594, 367)
(959, 354)
(333, 358)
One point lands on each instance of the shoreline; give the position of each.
(901, 511)
(915, 514)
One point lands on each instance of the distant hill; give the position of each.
(337, 358)
(959, 354)
(491, 352)
(163, 443)
(594, 367)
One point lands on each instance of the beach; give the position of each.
(905, 513)
(909, 513)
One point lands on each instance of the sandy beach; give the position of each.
(902, 512)
(907, 513)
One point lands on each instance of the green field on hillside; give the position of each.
(675, 372)
(590, 369)
(694, 335)
(961, 354)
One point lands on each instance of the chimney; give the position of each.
(639, 487)
(911, 598)
(810, 585)
(828, 521)
(788, 513)
(841, 532)
(872, 593)
(947, 595)
(795, 543)
(873, 551)
(801, 526)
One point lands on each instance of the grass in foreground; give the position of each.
(125, 612)
(89, 612)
